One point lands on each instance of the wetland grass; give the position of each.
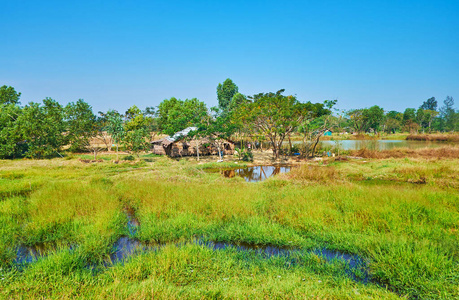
(378, 210)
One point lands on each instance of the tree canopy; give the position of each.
(175, 114)
(225, 93)
(8, 95)
(275, 116)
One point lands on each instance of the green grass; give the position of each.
(402, 215)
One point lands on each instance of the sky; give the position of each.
(114, 54)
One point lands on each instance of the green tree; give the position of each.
(114, 127)
(367, 119)
(393, 121)
(11, 142)
(225, 93)
(152, 125)
(8, 95)
(276, 116)
(448, 115)
(42, 128)
(409, 120)
(219, 128)
(429, 104)
(357, 119)
(81, 125)
(175, 114)
(135, 129)
(374, 118)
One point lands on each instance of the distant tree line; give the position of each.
(41, 130)
(427, 118)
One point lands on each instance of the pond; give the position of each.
(376, 144)
(257, 173)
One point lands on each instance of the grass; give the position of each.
(401, 214)
(427, 153)
(452, 137)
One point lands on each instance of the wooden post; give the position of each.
(197, 146)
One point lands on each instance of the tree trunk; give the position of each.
(95, 154)
(197, 147)
(219, 151)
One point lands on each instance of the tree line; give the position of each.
(428, 117)
(41, 130)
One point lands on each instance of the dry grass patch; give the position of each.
(313, 173)
(443, 152)
(434, 137)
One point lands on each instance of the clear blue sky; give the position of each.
(114, 54)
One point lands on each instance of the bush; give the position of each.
(129, 157)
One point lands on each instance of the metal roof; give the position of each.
(181, 134)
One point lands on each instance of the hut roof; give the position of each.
(177, 136)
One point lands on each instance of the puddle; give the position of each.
(257, 173)
(125, 247)
(133, 222)
(28, 254)
(354, 263)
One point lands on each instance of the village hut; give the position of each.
(178, 145)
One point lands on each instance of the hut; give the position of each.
(178, 145)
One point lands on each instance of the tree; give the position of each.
(276, 116)
(447, 114)
(357, 119)
(8, 95)
(11, 141)
(42, 128)
(374, 117)
(393, 121)
(219, 128)
(175, 114)
(226, 92)
(81, 125)
(409, 120)
(135, 129)
(366, 119)
(114, 127)
(429, 104)
(151, 120)
(314, 126)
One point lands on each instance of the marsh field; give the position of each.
(379, 227)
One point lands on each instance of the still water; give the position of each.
(377, 144)
(256, 173)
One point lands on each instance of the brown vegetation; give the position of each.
(312, 173)
(434, 137)
(443, 152)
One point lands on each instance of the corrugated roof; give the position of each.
(181, 134)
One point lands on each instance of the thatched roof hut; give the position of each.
(178, 145)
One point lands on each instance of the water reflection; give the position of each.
(256, 173)
(379, 144)
(133, 222)
(356, 266)
(125, 247)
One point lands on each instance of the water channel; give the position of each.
(355, 267)
(256, 173)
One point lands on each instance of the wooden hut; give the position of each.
(178, 145)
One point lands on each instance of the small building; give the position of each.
(178, 145)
